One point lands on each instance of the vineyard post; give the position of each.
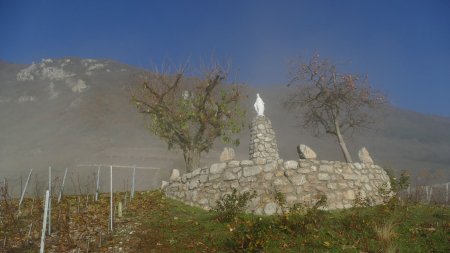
(97, 187)
(431, 192)
(25, 188)
(50, 201)
(44, 222)
(133, 183)
(62, 186)
(446, 193)
(111, 199)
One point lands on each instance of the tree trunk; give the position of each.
(191, 159)
(347, 156)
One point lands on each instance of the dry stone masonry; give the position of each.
(263, 145)
(302, 181)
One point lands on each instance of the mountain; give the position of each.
(71, 112)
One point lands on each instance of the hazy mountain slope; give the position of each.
(67, 112)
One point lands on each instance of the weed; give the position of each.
(250, 235)
(232, 204)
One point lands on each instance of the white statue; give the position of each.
(259, 105)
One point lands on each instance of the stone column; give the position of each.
(263, 145)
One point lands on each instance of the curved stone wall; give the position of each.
(302, 181)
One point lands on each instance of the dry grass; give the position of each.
(386, 234)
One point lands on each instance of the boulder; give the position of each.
(227, 155)
(164, 184)
(305, 152)
(270, 208)
(364, 156)
(175, 175)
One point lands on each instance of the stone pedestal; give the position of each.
(263, 145)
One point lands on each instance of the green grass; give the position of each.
(170, 226)
(154, 223)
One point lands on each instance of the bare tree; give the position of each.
(189, 113)
(331, 102)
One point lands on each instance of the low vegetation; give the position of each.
(153, 223)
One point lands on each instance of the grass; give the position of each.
(171, 226)
(154, 223)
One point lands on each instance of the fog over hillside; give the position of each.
(70, 112)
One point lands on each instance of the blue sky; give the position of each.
(403, 46)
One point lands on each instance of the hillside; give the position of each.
(69, 112)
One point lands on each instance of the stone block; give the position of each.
(357, 166)
(286, 189)
(234, 184)
(228, 176)
(364, 156)
(247, 163)
(304, 163)
(236, 169)
(164, 184)
(323, 176)
(195, 172)
(298, 179)
(332, 186)
(193, 184)
(260, 161)
(270, 166)
(203, 178)
(290, 164)
(252, 171)
(349, 194)
(280, 181)
(217, 168)
(364, 179)
(203, 202)
(326, 168)
(214, 176)
(291, 199)
(270, 208)
(175, 175)
(268, 176)
(304, 170)
(305, 152)
(350, 176)
(233, 164)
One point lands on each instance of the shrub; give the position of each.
(361, 201)
(299, 218)
(229, 205)
(250, 235)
